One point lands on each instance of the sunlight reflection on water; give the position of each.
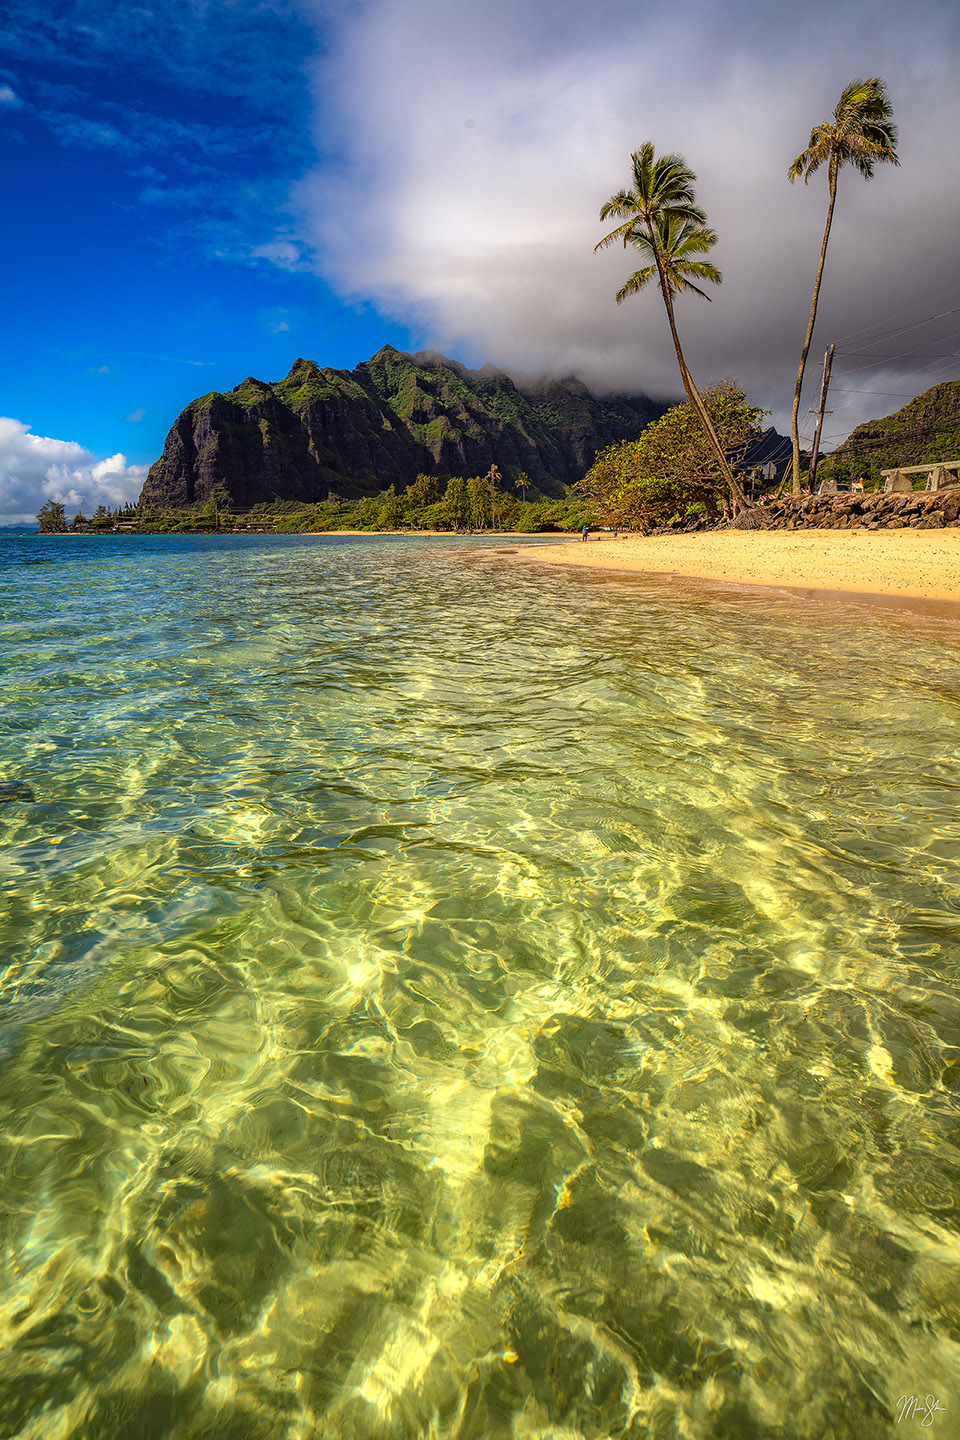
(451, 999)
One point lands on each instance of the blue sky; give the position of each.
(152, 254)
(207, 190)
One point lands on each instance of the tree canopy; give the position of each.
(672, 469)
(52, 518)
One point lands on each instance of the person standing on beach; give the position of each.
(585, 533)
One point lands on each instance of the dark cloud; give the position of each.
(481, 234)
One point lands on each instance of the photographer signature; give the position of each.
(911, 1407)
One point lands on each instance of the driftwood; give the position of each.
(753, 518)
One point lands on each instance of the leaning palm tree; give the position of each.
(860, 134)
(660, 217)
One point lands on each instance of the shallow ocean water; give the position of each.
(447, 998)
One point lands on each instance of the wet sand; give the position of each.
(921, 564)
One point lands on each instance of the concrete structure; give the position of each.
(941, 475)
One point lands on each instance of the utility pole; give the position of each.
(827, 367)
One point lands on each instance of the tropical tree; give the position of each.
(369, 510)
(672, 469)
(425, 490)
(52, 518)
(456, 502)
(860, 134)
(392, 510)
(660, 218)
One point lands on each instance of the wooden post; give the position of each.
(827, 367)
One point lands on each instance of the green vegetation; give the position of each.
(670, 476)
(52, 519)
(860, 134)
(922, 432)
(466, 505)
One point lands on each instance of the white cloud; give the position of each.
(36, 468)
(475, 145)
(276, 320)
(278, 252)
(136, 416)
(10, 97)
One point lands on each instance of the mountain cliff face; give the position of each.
(355, 432)
(926, 430)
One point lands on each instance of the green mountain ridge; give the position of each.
(322, 431)
(921, 432)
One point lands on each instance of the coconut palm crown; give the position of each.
(660, 216)
(678, 241)
(861, 134)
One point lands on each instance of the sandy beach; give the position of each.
(924, 564)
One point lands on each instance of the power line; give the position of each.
(893, 394)
(903, 353)
(873, 364)
(878, 323)
(881, 339)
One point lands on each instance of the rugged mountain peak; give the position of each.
(301, 370)
(383, 423)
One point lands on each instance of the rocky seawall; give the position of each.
(924, 510)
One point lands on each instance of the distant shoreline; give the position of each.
(305, 534)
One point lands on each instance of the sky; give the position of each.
(200, 192)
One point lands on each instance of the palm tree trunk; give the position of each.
(693, 394)
(795, 418)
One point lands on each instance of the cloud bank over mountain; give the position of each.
(466, 150)
(36, 468)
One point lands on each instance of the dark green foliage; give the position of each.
(52, 518)
(456, 502)
(468, 504)
(671, 472)
(391, 512)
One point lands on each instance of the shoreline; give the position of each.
(901, 565)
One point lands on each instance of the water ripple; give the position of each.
(445, 999)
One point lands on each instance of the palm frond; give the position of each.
(703, 270)
(636, 282)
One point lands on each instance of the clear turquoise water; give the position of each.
(447, 998)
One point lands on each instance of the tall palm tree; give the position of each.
(660, 217)
(860, 134)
